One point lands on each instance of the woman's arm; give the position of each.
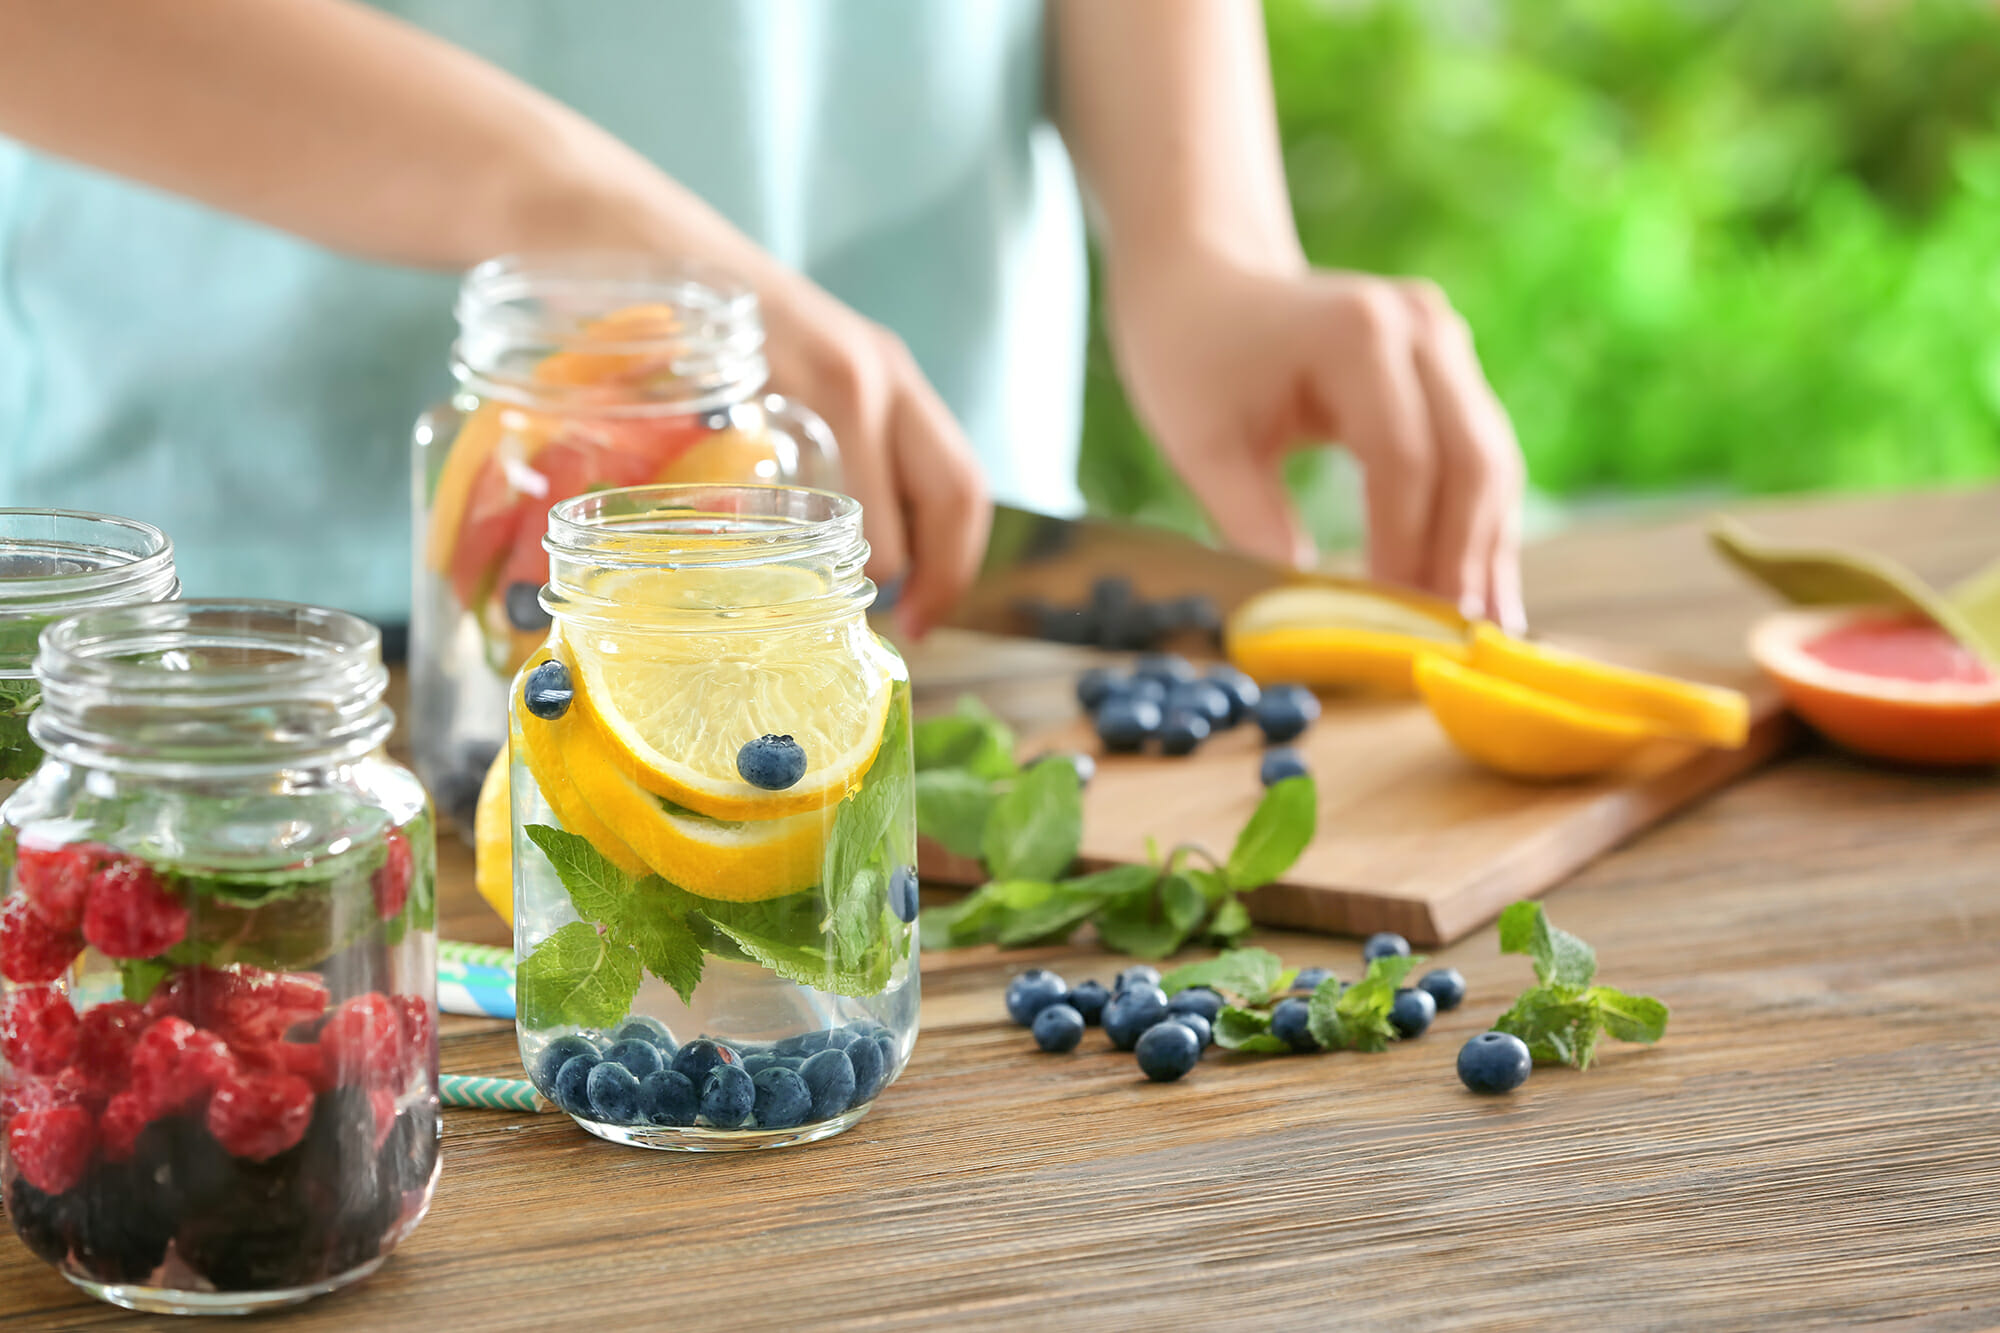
(1233, 351)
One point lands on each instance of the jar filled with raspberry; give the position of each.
(218, 1038)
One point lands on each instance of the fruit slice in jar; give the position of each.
(1340, 638)
(493, 838)
(677, 707)
(1523, 732)
(1705, 713)
(1883, 684)
(543, 747)
(475, 442)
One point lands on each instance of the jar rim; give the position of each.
(138, 560)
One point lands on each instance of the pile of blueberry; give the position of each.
(1117, 617)
(1168, 1035)
(641, 1077)
(1167, 701)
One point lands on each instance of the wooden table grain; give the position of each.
(1816, 1143)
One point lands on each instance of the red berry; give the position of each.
(419, 1033)
(260, 1115)
(125, 1118)
(383, 1103)
(363, 1042)
(24, 1092)
(38, 1030)
(131, 914)
(32, 950)
(303, 1059)
(105, 1037)
(57, 879)
(392, 880)
(168, 1000)
(175, 1063)
(51, 1148)
(255, 1006)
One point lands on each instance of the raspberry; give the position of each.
(260, 1115)
(125, 1118)
(176, 1062)
(382, 1102)
(363, 1042)
(32, 950)
(24, 1092)
(105, 1037)
(57, 879)
(392, 880)
(168, 1000)
(419, 1033)
(303, 1059)
(38, 1030)
(51, 1148)
(130, 914)
(253, 1006)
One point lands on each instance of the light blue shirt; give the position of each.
(252, 394)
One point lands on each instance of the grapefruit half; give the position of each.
(1883, 684)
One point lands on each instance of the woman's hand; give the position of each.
(1231, 368)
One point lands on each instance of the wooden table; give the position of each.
(1817, 1140)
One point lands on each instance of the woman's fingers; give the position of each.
(946, 512)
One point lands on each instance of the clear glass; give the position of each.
(754, 941)
(54, 562)
(576, 373)
(218, 944)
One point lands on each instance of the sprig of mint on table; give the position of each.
(1562, 1018)
(1025, 826)
(1340, 1018)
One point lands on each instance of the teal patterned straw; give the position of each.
(489, 1094)
(475, 955)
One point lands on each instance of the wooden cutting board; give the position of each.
(1412, 837)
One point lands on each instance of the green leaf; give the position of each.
(139, 977)
(1560, 958)
(1133, 925)
(952, 808)
(1278, 831)
(652, 922)
(972, 739)
(863, 821)
(576, 976)
(1559, 1024)
(1182, 904)
(1635, 1018)
(1231, 922)
(1250, 974)
(596, 887)
(1247, 1030)
(1034, 830)
(1356, 1018)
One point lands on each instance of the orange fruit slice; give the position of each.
(493, 839)
(1704, 713)
(1335, 637)
(543, 748)
(1521, 731)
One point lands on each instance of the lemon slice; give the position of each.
(1323, 606)
(542, 746)
(1704, 713)
(1522, 732)
(493, 840)
(676, 707)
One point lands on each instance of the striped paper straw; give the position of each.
(481, 995)
(474, 955)
(489, 1094)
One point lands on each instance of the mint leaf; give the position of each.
(1246, 1030)
(1558, 1023)
(1357, 1018)
(1562, 1019)
(952, 808)
(1635, 1018)
(596, 887)
(1034, 830)
(1132, 925)
(862, 822)
(805, 958)
(139, 977)
(972, 739)
(1253, 975)
(1277, 833)
(1231, 921)
(576, 977)
(1560, 958)
(19, 697)
(652, 922)
(1182, 903)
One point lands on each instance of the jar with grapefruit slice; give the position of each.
(576, 373)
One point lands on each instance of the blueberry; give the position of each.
(613, 1093)
(636, 1054)
(829, 1077)
(727, 1095)
(547, 690)
(1148, 689)
(1494, 1062)
(1139, 974)
(1288, 1024)
(1196, 1000)
(1195, 1023)
(1310, 977)
(1168, 1050)
(1058, 1028)
(903, 893)
(667, 1098)
(1128, 628)
(1280, 764)
(1032, 992)
(568, 1088)
(1204, 697)
(1239, 689)
(1285, 711)
(1196, 612)
(1170, 669)
(694, 1060)
(1445, 985)
(754, 1065)
(1385, 944)
(772, 762)
(1094, 686)
(805, 1043)
(1412, 1011)
(557, 1054)
(1125, 721)
(1182, 732)
(524, 607)
(1131, 1011)
(1088, 1000)
(779, 1099)
(871, 1067)
(646, 1029)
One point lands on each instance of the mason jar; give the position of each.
(576, 373)
(218, 944)
(53, 562)
(714, 822)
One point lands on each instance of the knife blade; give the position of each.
(1037, 560)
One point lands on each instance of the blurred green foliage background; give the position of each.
(1714, 245)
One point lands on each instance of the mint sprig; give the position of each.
(1254, 976)
(1563, 1018)
(1356, 1018)
(1247, 1030)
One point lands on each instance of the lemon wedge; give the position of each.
(1521, 731)
(1704, 713)
(493, 840)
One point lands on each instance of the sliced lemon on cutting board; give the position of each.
(493, 840)
(1524, 732)
(1340, 638)
(1705, 713)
